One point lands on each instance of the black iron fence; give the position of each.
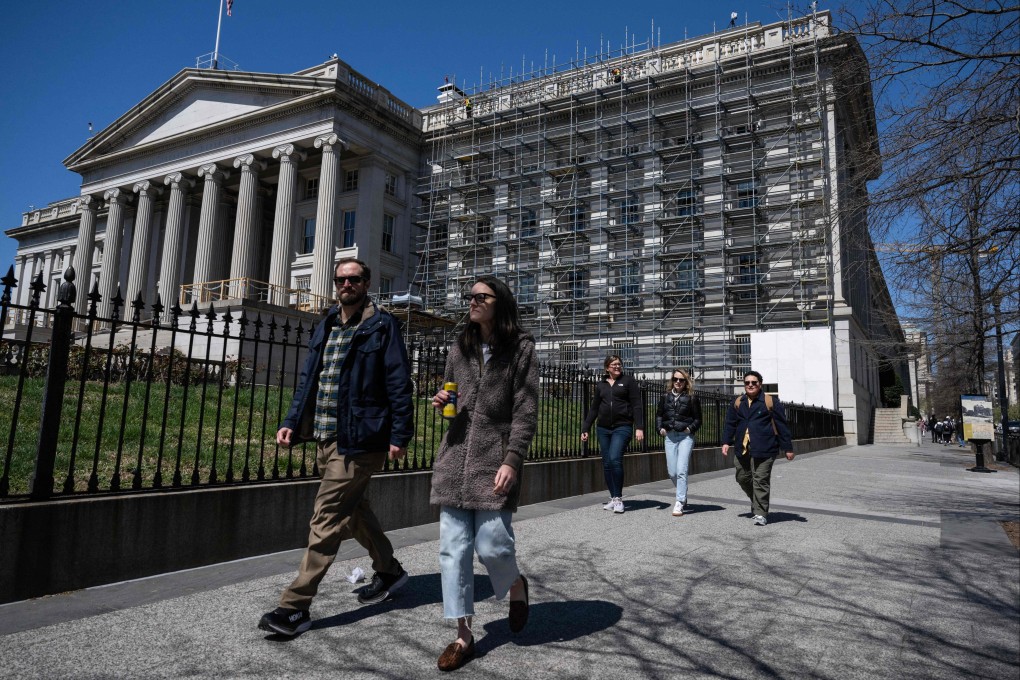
(155, 398)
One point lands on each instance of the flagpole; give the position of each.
(216, 50)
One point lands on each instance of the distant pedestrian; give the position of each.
(477, 472)
(354, 401)
(617, 406)
(947, 431)
(932, 422)
(936, 432)
(756, 426)
(677, 418)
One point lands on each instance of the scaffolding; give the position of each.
(659, 202)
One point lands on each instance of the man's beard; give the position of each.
(355, 297)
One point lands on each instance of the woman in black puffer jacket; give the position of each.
(677, 418)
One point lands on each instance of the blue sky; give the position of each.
(69, 63)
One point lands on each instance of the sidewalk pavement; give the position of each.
(878, 562)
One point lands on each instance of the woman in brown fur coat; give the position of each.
(476, 474)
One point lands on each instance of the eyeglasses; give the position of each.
(751, 382)
(478, 298)
(683, 380)
(615, 366)
(353, 280)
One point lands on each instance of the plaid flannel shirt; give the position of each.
(327, 400)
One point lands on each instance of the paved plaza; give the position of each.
(878, 562)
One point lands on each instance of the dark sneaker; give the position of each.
(381, 586)
(286, 621)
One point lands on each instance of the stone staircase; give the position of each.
(888, 425)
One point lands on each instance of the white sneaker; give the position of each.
(610, 505)
(618, 506)
(760, 520)
(678, 509)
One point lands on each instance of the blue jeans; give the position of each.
(612, 442)
(461, 532)
(678, 458)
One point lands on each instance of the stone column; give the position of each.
(208, 236)
(371, 208)
(138, 271)
(170, 267)
(20, 267)
(283, 223)
(84, 250)
(243, 259)
(109, 273)
(324, 254)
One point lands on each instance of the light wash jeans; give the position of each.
(678, 458)
(489, 533)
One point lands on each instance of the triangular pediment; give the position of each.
(192, 102)
(200, 108)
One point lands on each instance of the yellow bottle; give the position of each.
(450, 408)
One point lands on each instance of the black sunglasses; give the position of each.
(679, 379)
(750, 382)
(353, 280)
(478, 298)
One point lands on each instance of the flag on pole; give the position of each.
(230, 6)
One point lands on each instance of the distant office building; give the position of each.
(693, 204)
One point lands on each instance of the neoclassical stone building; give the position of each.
(226, 185)
(695, 204)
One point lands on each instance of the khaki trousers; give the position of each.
(754, 475)
(341, 512)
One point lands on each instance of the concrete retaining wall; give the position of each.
(75, 543)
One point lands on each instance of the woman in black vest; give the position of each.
(677, 418)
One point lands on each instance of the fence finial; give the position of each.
(67, 292)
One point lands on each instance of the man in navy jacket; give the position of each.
(354, 399)
(756, 426)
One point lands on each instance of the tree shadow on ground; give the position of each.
(561, 621)
(425, 589)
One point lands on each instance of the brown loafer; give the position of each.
(455, 656)
(519, 610)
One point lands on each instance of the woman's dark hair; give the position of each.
(506, 322)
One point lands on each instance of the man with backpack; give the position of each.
(756, 427)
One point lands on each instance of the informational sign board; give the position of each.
(977, 417)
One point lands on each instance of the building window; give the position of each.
(391, 185)
(628, 279)
(529, 224)
(440, 236)
(568, 354)
(311, 188)
(385, 286)
(685, 202)
(684, 276)
(747, 269)
(308, 236)
(348, 233)
(387, 233)
(630, 211)
(527, 289)
(575, 285)
(746, 194)
(302, 282)
(741, 355)
(683, 352)
(351, 180)
(576, 219)
(627, 352)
